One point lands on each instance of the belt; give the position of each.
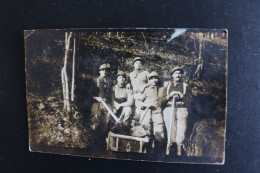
(178, 104)
(120, 100)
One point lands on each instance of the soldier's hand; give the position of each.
(180, 94)
(97, 99)
(173, 93)
(117, 106)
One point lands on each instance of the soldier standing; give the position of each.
(139, 79)
(176, 89)
(100, 118)
(151, 101)
(122, 97)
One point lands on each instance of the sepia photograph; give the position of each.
(132, 94)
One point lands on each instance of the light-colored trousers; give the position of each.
(153, 121)
(179, 124)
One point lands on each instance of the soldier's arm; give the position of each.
(188, 95)
(141, 90)
(139, 102)
(162, 99)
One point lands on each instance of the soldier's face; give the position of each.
(154, 81)
(103, 72)
(138, 65)
(121, 80)
(177, 75)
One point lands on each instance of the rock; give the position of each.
(205, 139)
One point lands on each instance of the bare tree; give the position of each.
(200, 65)
(64, 76)
(73, 71)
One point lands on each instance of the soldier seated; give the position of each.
(122, 98)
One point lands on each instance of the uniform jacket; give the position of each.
(181, 87)
(154, 94)
(138, 79)
(104, 86)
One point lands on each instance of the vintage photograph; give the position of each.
(133, 94)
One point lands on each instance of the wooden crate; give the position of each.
(123, 143)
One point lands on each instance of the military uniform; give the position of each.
(100, 118)
(179, 124)
(153, 120)
(123, 95)
(180, 118)
(138, 79)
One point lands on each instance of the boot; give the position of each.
(179, 149)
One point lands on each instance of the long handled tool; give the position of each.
(143, 115)
(107, 108)
(170, 128)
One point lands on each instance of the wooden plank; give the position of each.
(130, 137)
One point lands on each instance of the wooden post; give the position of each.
(169, 133)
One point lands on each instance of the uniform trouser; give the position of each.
(138, 110)
(153, 120)
(179, 124)
(100, 118)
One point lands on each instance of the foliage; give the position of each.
(51, 125)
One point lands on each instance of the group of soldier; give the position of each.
(161, 111)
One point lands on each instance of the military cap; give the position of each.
(138, 59)
(153, 74)
(121, 73)
(104, 66)
(177, 68)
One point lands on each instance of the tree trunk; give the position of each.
(200, 65)
(64, 71)
(63, 88)
(73, 71)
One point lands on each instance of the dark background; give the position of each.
(240, 17)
